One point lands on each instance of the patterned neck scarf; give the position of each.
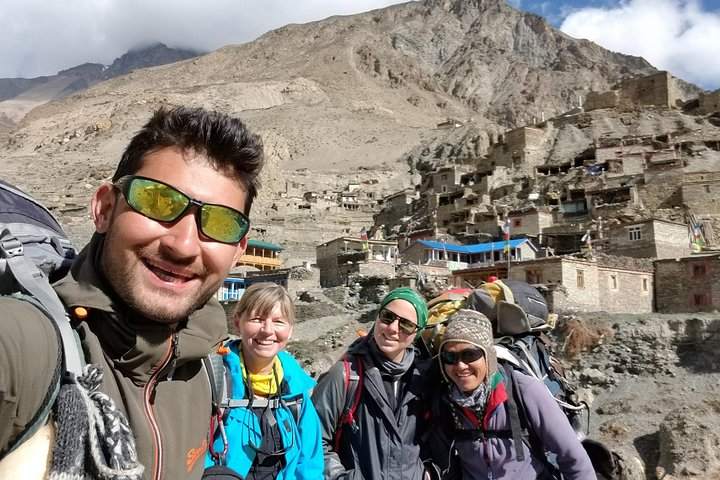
(476, 401)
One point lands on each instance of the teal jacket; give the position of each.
(304, 456)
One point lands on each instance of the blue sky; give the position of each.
(41, 37)
(680, 36)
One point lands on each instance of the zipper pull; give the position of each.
(174, 355)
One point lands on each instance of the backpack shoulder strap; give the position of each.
(215, 371)
(514, 405)
(520, 419)
(353, 390)
(33, 281)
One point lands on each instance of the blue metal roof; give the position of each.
(477, 248)
(265, 245)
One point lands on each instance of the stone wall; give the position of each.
(701, 192)
(327, 262)
(631, 240)
(396, 207)
(672, 240)
(689, 284)
(598, 100)
(414, 254)
(444, 180)
(662, 189)
(648, 90)
(486, 225)
(375, 268)
(709, 102)
(579, 280)
(524, 138)
(660, 89)
(531, 223)
(633, 163)
(656, 239)
(625, 291)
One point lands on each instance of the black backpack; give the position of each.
(34, 251)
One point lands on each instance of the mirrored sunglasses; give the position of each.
(404, 325)
(466, 356)
(163, 203)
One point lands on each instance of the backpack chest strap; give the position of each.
(260, 402)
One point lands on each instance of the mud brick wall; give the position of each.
(688, 284)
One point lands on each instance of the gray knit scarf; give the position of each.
(93, 438)
(390, 367)
(476, 401)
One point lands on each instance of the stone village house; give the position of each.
(338, 259)
(688, 284)
(599, 283)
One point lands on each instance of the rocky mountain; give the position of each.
(344, 100)
(19, 95)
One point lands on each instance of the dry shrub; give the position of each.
(714, 405)
(581, 336)
(615, 430)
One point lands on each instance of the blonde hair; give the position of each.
(261, 299)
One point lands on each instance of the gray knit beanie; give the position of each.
(472, 327)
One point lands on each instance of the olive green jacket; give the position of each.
(153, 373)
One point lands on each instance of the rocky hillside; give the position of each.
(358, 91)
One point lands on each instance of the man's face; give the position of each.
(166, 270)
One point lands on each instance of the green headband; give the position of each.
(414, 298)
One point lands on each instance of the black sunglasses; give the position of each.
(466, 356)
(405, 326)
(161, 202)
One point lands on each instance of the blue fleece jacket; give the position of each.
(304, 453)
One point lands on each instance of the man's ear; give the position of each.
(103, 205)
(241, 247)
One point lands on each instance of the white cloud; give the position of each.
(673, 35)
(41, 37)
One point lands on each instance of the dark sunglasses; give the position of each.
(406, 326)
(466, 356)
(163, 203)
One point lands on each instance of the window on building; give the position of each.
(701, 300)
(699, 270)
(634, 233)
(444, 176)
(533, 276)
(581, 279)
(517, 222)
(707, 188)
(645, 285)
(613, 282)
